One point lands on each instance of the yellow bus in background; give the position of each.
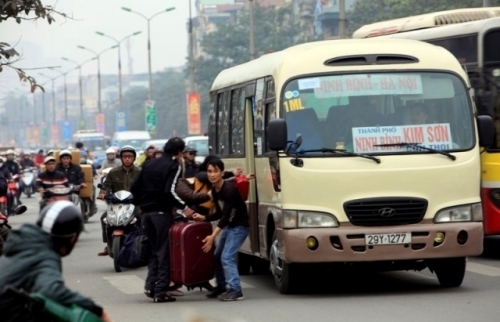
(366, 152)
(473, 36)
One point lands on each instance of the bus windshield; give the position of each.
(491, 49)
(359, 112)
(93, 142)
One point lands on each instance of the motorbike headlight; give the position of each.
(112, 218)
(308, 219)
(473, 212)
(126, 215)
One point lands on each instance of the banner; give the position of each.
(27, 135)
(55, 133)
(194, 113)
(36, 135)
(434, 136)
(121, 121)
(44, 132)
(151, 117)
(66, 131)
(100, 123)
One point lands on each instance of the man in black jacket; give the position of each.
(32, 262)
(73, 172)
(154, 192)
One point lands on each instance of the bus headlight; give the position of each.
(463, 213)
(308, 219)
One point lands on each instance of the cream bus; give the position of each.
(365, 152)
(473, 36)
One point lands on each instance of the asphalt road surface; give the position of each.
(384, 297)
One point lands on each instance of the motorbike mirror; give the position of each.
(21, 209)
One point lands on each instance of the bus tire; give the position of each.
(450, 271)
(285, 275)
(244, 263)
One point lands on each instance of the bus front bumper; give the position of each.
(349, 243)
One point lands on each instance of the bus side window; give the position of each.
(258, 117)
(238, 122)
(222, 124)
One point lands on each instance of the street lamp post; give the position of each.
(79, 67)
(98, 57)
(118, 42)
(252, 40)
(150, 94)
(65, 92)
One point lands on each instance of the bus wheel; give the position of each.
(285, 276)
(244, 263)
(450, 271)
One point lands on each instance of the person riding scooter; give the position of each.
(119, 178)
(49, 178)
(73, 172)
(26, 164)
(14, 168)
(111, 160)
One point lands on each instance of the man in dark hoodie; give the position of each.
(32, 262)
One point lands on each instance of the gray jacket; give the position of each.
(113, 164)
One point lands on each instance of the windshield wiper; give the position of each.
(420, 146)
(344, 152)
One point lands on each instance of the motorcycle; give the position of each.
(84, 204)
(12, 189)
(5, 227)
(38, 305)
(120, 221)
(58, 193)
(28, 180)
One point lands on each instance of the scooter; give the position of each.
(120, 221)
(5, 227)
(27, 181)
(37, 305)
(12, 188)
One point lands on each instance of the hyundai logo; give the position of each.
(386, 212)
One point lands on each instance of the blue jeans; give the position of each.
(226, 270)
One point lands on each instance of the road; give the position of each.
(396, 296)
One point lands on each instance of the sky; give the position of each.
(43, 45)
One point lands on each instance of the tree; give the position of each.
(275, 29)
(22, 10)
(369, 11)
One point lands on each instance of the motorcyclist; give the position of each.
(146, 156)
(191, 166)
(14, 168)
(32, 262)
(73, 172)
(49, 178)
(3, 230)
(26, 162)
(111, 160)
(39, 157)
(119, 178)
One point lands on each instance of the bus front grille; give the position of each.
(385, 211)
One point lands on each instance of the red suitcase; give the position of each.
(189, 264)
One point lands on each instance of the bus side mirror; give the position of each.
(277, 134)
(486, 130)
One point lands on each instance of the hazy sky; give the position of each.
(42, 44)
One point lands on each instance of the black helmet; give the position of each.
(61, 219)
(128, 148)
(79, 145)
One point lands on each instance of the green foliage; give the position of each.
(369, 11)
(274, 30)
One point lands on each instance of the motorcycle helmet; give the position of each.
(62, 221)
(10, 151)
(49, 159)
(51, 152)
(65, 153)
(110, 151)
(128, 148)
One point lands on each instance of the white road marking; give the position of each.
(128, 284)
(483, 269)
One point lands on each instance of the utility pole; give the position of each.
(342, 20)
(486, 3)
(191, 52)
(252, 40)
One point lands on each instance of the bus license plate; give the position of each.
(388, 239)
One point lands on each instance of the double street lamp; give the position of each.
(52, 79)
(79, 67)
(150, 93)
(65, 91)
(98, 57)
(118, 42)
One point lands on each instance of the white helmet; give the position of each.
(110, 151)
(9, 151)
(65, 152)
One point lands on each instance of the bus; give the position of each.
(472, 36)
(366, 152)
(91, 139)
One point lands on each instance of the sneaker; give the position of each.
(175, 293)
(216, 292)
(149, 294)
(231, 295)
(165, 299)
